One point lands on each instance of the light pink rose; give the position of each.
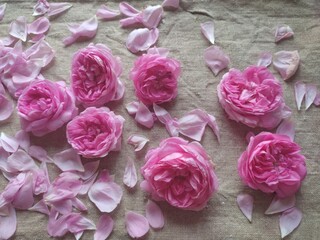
(155, 78)
(45, 106)
(272, 163)
(95, 76)
(180, 173)
(254, 97)
(95, 132)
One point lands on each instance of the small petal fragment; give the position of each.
(2, 10)
(265, 59)
(41, 8)
(137, 141)
(39, 26)
(141, 39)
(130, 178)
(286, 63)
(299, 92)
(128, 10)
(172, 4)
(289, 221)
(104, 227)
(286, 128)
(207, 30)
(283, 32)
(144, 116)
(279, 205)
(18, 28)
(311, 93)
(245, 203)
(107, 13)
(317, 99)
(57, 8)
(8, 224)
(132, 107)
(68, 160)
(154, 215)
(136, 224)
(216, 59)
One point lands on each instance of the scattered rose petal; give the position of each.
(41, 8)
(137, 141)
(265, 59)
(90, 168)
(78, 204)
(279, 205)
(39, 153)
(164, 117)
(216, 59)
(8, 41)
(311, 93)
(207, 30)
(317, 99)
(68, 160)
(9, 144)
(144, 116)
(172, 4)
(18, 28)
(289, 221)
(286, 63)
(130, 178)
(299, 92)
(2, 10)
(104, 227)
(107, 13)
(283, 32)
(39, 26)
(136, 224)
(142, 39)
(151, 16)
(163, 52)
(57, 8)
(40, 207)
(20, 161)
(8, 224)
(23, 139)
(245, 203)
(86, 185)
(132, 107)
(286, 128)
(6, 107)
(154, 215)
(128, 10)
(41, 181)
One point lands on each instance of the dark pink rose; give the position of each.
(95, 132)
(253, 97)
(45, 106)
(95, 76)
(155, 78)
(272, 163)
(180, 173)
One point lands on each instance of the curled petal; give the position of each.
(128, 10)
(41, 8)
(286, 128)
(104, 227)
(18, 28)
(107, 13)
(142, 39)
(144, 116)
(39, 26)
(2, 10)
(132, 107)
(8, 223)
(136, 224)
(299, 92)
(311, 93)
(207, 30)
(245, 203)
(68, 160)
(286, 63)
(57, 8)
(216, 59)
(9, 144)
(283, 32)
(164, 117)
(265, 59)
(171, 4)
(130, 178)
(289, 221)
(137, 141)
(154, 215)
(279, 205)
(151, 16)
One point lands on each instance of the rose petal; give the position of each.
(164, 117)
(249, 136)
(207, 30)
(151, 16)
(68, 160)
(8, 224)
(286, 63)
(39, 26)
(141, 39)
(8, 41)
(311, 93)
(78, 204)
(283, 32)
(86, 185)
(130, 178)
(144, 116)
(245, 203)
(23, 139)
(18, 28)
(2, 10)
(265, 59)
(279, 205)
(317, 99)
(41, 7)
(40, 207)
(20, 161)
(128, 10)
(172, 4)
(299, 92)
(57, 8)
(9, 144)
(164, 52)
(136, 224)
(90, 168)
(154, 215)
(216, 59)
(289, 221)
(104, 227)
(39, 153)
(23, 198)
(107, 13)
(286, 128)
(132, 107)
(137, 141)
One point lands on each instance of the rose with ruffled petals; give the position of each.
(95, 76)
(155, 78)
(95, 132)
(45, 106)
(180, 173)
(253, 97)
(272, 163)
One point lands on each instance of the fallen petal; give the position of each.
(216, 59)
(286, 63)
(279, 205)
(104, 227)
(137, 141)
(39, 26)
(164, 52)
(8, 224)
(57, 8)
(130, 178)
(20, 161)
(317, 99)
(286, 128)
(23, 139)
(154, 215)
(68, 160)
(39, 153)
(6, 108)
(128, 10)
(144, 116)
(9, 144)
(265, 59)
(289, 221)
(283, 32)
(172, 4)
(141, 39)
(311, 93)
(151, 16)
(2, 10)
(245, 203)
(41, 7)
(207, 30)
(40, 207)
(164, 117)
(18, 28)
(136, 224)
(132, 107)
(299, 92)
(107, 13)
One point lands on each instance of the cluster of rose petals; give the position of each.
(45, 106)
(253, 97)
(272, 163)
(95, 132)
(155, 78)
(95, 76)
(180, 173)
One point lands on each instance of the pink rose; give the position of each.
(180, 173)
(155, 78)
(95, 132)
(272, 163)
(45, 106)
(95, 76)
(253, 97)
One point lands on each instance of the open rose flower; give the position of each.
(155, 78)
(253, 97)
(45, 106)
(272, 163)
(95, 76)
(180, 173)
(95, 132)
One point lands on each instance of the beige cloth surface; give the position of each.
(244, 29)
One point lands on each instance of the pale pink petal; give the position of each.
(283, 32)
(164, 52)
(299, 92)
(317, 99)
(128, 10)
(40, 207)
(137, 141)
(286, 63)
(207, 30)
(286, 128)
(8, 224)
(39, 153)
(249, 136)
(265, 59)
(41, 181)
(24, 139)
(68, 160)
(39, 26)
(20, 161)
(130, 177)
(8, 41)
(9, 144)
(164, 117)
(24, 199)
(279, 205)
(136, 224)
(311, 93)
(78, 204)
(36, 38)
(154, 215)
(212, 123)
(78, 235)
(144, 116)
(90, 168)
(245, 203)
(141, 39)
(104, 227)
(18, 28)
(172, 4)
(289, 221)
(86, 29)
(2, 10)
(86, 185)
(107, 13)
(57, 8)
(216, 59)
(41, 7)
(151, 16)
(132, 107)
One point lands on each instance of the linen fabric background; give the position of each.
(243, 29)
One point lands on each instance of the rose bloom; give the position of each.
(155, 78)
(45, 106)
(272, 163)
(180, 173)
(95, 76)
(254, 97)
(95, 132)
